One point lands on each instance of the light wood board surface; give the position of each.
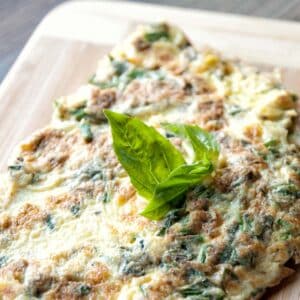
(63, 53)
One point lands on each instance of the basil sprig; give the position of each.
(156, 168)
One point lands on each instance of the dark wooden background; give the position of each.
(18, 18)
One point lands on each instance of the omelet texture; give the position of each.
(70, 223)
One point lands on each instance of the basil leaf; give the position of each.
(145, 154)
(155, 167)
(172, 189)
(203, 143)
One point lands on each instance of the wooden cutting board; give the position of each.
(63, 52)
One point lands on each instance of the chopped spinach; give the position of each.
(50, 222)
(246, 223)
(273, 148)
(204, 289)
(230, 255)
(234, 110)
(86, 131)
(124, 74)
(105, 198)
(15, 167)
(136, 73)
(172, 217)
(202, 256)
(285, 229)
(78, 113)
(92, 171)
(152, 37)
(143, 290)
(134, 260)
(203, 191)
(232, 230)
(83, 290)
(259, 227)
(206, 192)
(287, 190)
(119, 67)
(114, 82)
(75, 210)
(265, 229)
(3, 261)
(178, 252)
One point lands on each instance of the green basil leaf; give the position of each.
(155, 167)
(203, 143)
(145, 154)
(172, 189)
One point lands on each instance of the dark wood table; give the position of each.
(18, 18)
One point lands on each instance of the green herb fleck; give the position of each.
(3, 261)
(203, 289)
(285, 229)
(105, 198)
(75, 209)
(78, 113)
(136, 73)
(152, 37)
(142, 290)
(50, 222)
(172, 217)
(15, 167)
(235, 110)
(119, 67)
(287, 190)
(86, 132)
(203, 253)
(246, 223)
(83, 290)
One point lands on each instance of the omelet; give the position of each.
(70, 218)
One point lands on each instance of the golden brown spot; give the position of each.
(65, 201)
(18, 270)
(28, 216)
(100, 100)
(5, 222)
(125, 194)
(15, 270)
(166, 285)
(253, 132)
(98, 273)
(196, 85)
(152, 91)
(196, 220)
(110, 289)
(209, 115)
(48, 149)
(285, 102)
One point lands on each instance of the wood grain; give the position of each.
(63, 52)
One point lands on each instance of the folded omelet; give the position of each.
(70, 219)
